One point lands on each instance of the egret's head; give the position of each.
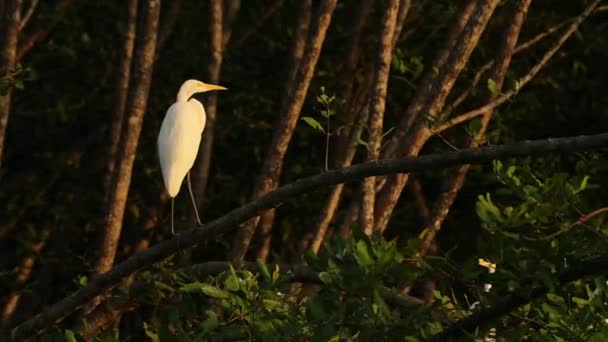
(191, 87)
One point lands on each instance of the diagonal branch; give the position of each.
(103, 282)
(523, 81)
(453, 185)
(514, 300)
(273, 161)
(28, 15)
(43, 31)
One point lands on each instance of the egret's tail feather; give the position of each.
(198, 219)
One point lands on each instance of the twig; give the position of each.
(28, 15)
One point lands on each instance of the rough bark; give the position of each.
(138, 97)
(345, 120)
(122, 90)
(200, 171)
(443, 82)
(377, 106)
(56, 312)
(274, 157)
(11, 18)
(452, 186)
(295, 57)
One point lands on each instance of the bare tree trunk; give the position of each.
(443, 82)
(10, 20)
(453, 185)
(200, 171)
(348, 148)
(274, 157)
(122, 90)
(138, 97)
(297, 51)
(377, 106)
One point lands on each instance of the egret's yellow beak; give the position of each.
(208, 87)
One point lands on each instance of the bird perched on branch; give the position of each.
(179, 137)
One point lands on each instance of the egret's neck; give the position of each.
(184, 94)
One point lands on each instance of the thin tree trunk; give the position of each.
(345, 120)
(443, 82)
(200, 171)
(349, 148)
(453, 185)
(297, 51)
(425, 86)
(138, 97)
(274, 157)
(122, 90)
(10, 20)
(377, 106)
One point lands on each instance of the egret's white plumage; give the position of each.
(180, 135)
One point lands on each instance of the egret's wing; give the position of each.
(178, 141)
(200, 110)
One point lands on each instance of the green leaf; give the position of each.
(214, 292)
(325, 277)
(492, 86)
(211, 322)
(152, 335)
(232, 281)
(362, 254)
(580, 301)
(312, 122)
(70, 336)
(207, 289)
(263, 269)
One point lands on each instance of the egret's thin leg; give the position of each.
(172, 205)
(198, 219)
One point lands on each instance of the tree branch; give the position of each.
(43, 31)
(523, 80)
(515, 300)
(28, 15)
(228, 222)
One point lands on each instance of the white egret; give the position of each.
(179, 138)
